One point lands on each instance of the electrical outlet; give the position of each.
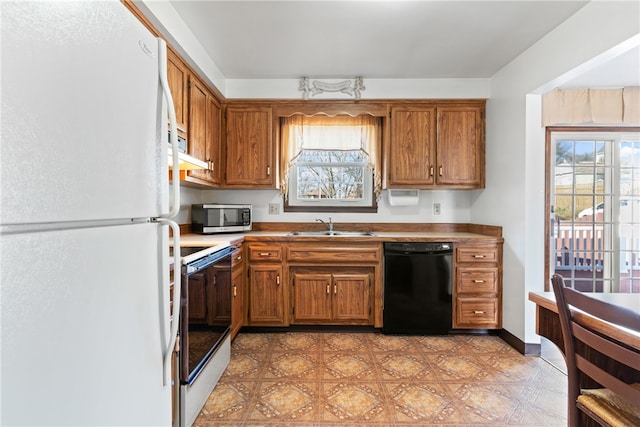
(436, 208)
(274, 208)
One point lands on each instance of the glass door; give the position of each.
(595, 210)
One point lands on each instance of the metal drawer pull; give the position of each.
(239, 258)
(478, 312)
(479, 256)
(265, 253)
(478, 281)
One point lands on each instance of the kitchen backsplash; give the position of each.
(454, 207)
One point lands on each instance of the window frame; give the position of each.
(550, 138)
(335, 204)
(349, 109)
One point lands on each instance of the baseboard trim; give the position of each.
(523, 348)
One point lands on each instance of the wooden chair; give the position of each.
(599, 358)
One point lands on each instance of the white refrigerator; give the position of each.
(86, 333)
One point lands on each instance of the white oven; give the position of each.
(205, 325)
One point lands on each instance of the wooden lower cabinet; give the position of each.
(267, 292)
(477, 297)
(323, 297)
(238, 300)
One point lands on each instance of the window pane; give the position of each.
(331, 175)
(596, 227)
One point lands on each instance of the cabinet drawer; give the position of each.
(333, 253)
(477, 312)
(477, 280)
(477, 254)
(237, 259)
(265, 253)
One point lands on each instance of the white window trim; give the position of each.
(365, 201)
(611, 249)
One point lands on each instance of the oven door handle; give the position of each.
(175, 302)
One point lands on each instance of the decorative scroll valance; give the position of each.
(577, 106)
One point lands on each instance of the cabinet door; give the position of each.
(197, 298)
(266, 295)
(213, 146)
(237, 291)
(249, 148)
(177, 76)
(219, 295)
(204, 133)
(197, 141)
(460, 147)
(412, 147)
(351, 297)
(311, 297)
(237, 303)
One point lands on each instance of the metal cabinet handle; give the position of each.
(479, 256)
(335, 288)
(278, 280)
(268, 170)
(265, 253)
(239, 258)
(478, 312)
(478, 281)
(431, 171)
(440, 170)
(328, 288)
(235, 294)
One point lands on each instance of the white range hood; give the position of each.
(187, 162)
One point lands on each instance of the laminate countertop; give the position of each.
(193, 239)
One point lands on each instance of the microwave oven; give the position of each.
(219, 218)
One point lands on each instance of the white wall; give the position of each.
(514, 197)
(374, 89)
(454, 207)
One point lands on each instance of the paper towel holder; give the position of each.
(403, 197)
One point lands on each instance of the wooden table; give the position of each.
(548, 325)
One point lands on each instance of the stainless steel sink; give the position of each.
(331, 233)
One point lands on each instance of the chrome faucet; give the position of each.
(329, 226)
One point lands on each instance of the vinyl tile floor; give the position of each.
(371, 379)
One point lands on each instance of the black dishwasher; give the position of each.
(417, 288)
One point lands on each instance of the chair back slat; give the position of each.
(608, 381)
(606, 346)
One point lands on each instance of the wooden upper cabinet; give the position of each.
(460, 148)
(178, 78)
(214, 144)
(437, 145)
(204, 133)
(197, 141)
(249, 147)
(411, 155)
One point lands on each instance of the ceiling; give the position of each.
(382, 39)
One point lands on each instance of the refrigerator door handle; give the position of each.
(173, 135)
(175, 302)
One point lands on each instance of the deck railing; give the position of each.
(580, 256)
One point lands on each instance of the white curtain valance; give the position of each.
(578, 106)
(301, 132)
